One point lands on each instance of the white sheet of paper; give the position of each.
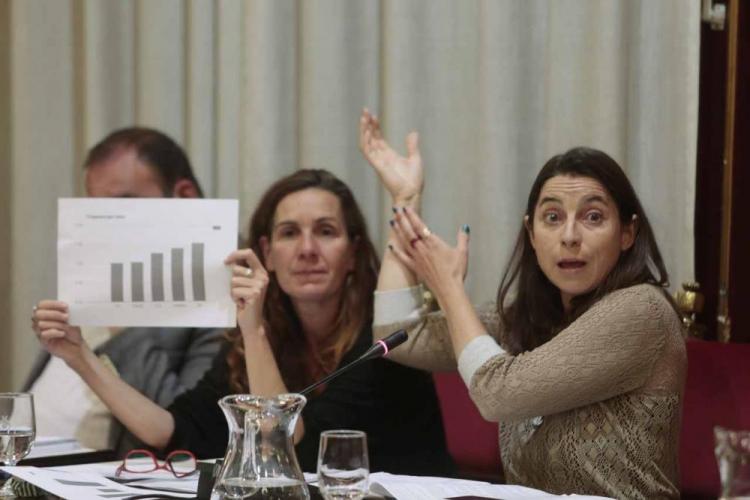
(50, 446)
(78, 485)
(155, 479)
(437, 488)
(146, 261)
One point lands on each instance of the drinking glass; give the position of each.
(733, 457)
(343, 465)
(17, 430)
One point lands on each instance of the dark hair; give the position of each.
(300, 361)
(536, 314)
(154, 148)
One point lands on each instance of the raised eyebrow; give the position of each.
(549, 199)
(596, 197)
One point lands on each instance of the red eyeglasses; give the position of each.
(181, 463)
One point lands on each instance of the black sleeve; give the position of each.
(200, 425)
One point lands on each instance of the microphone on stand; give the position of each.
(378, 349)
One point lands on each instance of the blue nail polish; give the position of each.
(466, 228)
(391, 222)
(390, 247)
(394, 209)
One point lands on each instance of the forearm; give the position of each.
(463, 323)
(263, 373)
(611, 349)
(393, 273)
(429, 346)
(149, 422)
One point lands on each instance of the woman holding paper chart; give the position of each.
(583, 364)
(304, 302)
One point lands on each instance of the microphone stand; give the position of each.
(332, 375)
(384, 345)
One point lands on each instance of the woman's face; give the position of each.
(576, 234)
(309, 249)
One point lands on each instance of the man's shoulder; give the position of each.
(160, 337)
(37, 367)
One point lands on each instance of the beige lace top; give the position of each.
(595, 410)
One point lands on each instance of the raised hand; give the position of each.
(441, 267)
(249, 285)
(402, 176)
(49, 320)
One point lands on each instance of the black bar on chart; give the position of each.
(136, 281)
(199, 283)
(157, 277)
(116, 287)
(178, 279)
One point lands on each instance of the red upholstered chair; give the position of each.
(472, 441)
(717, 392)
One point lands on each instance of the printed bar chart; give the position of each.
(136, 281)
(146, 262)
(117, 292)
(178, 277)
(157, 277)
(199, 283)
(117, 284)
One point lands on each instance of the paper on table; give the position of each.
(146, 262)
(436, 488)
(75, 486)
(50, 446)
(155, 479)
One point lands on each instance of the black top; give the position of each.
(395, 405)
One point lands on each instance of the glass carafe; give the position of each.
(260, 461)
(733, 457)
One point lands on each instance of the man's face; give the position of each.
(123, 175)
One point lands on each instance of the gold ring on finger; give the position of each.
(248, 272)
(426, 233)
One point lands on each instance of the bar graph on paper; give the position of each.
(177, 279)
(146, 262)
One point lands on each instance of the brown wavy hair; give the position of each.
(302, 361)
(537, 314)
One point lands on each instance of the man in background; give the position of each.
(161, 363)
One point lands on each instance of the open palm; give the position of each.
(403, 176)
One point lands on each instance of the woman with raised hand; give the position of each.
(303, 291)
(581, 359)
